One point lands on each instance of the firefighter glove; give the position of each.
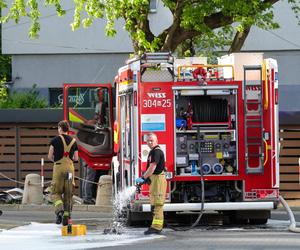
(140, 180)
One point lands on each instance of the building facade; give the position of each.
(88, 56)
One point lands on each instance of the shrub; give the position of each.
(26, 99)
(3, 91)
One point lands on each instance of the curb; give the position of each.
(43, 207)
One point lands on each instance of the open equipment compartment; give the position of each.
(206, 133)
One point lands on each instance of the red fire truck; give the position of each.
(217, 125)
(222, 120)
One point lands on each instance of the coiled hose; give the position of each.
(292, 227)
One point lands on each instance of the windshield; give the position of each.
(89, 105)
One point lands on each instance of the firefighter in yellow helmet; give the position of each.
(158, 186)
(63, 151)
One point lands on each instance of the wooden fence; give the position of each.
(22, 146)
(289, 162)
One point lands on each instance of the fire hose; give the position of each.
(202, 193)
(292, 227)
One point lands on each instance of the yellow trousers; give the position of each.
(158, 188)
(61, 187)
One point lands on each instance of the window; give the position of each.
(89, 105)
(153, 6)
(55, 97)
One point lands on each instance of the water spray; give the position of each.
(121, 200)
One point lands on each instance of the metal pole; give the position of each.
(42, 172)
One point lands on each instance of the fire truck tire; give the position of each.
(258, 217)
(137, 218)
(258, 221)
(130, 219)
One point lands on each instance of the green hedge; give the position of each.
(26, 99)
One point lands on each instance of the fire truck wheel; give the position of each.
(258, 221)
(137, 218)
(129, 219)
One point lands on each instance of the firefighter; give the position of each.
(63, 151)
(158, 183)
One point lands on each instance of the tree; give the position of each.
(5, 71)
(5, 63)
(224, 22)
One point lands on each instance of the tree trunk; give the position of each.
(239, 40)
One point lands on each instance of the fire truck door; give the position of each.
(126, 139)
(88, 109)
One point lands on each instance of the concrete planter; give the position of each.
(46, 115)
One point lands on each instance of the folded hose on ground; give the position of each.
(292, 227)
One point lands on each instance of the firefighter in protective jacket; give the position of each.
(158, 183)
(63, 151)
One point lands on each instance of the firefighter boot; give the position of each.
(59, 217)
(65, 218)
(152, 230)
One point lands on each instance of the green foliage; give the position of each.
(5, 61)
(5, 68)
(28, 99)
(213, 21)
(3, 91)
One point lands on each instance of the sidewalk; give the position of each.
(14, 215)
(44, 207)
(95, 217)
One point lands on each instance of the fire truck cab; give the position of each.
(215, 123)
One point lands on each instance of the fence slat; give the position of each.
(31, 149)
(35, 166)
(35, 158)
(33, 140)
(289, 160)
(290, 151)
(7, 133)
(8, 174)
(289, 169)
(7, 158)
(7, 141)
(4, 150)
(290, 194)
(290, 143)
(289, 177)
(35, 133)
(289, 186)
(290, 134)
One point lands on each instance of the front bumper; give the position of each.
(218, 206)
